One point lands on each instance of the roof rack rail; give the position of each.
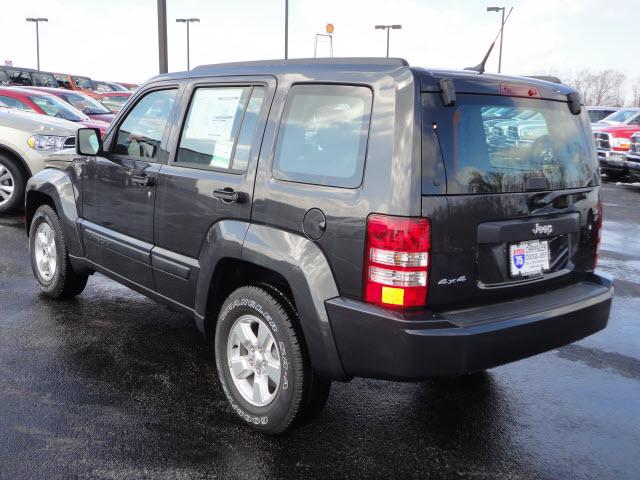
(399, 62)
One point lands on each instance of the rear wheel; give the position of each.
(263, 368)
(12, 184)
(49, 258)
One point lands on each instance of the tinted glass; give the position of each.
(597, 115)
(486, 155)
(19, 77)
(57, 108)
(114, 102)
(15, 103)
(83, 82)
(84, 103)
(248, 129)
(635, 120)
(4, 78)
(63, 81)
(43, 79)
(212, 126)
(323, 135)
(140, 134)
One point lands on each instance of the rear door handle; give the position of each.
(142, 180)
(228, 195)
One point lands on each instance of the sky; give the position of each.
(117, 39)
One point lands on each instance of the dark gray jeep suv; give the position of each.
(326, 219)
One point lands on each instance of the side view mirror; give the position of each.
(88, 141)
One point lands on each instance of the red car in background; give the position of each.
(114, 101)
(37, 101)
(86, 104)
(612, 145)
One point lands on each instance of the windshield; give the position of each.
(57, 108)
(83, 82)
(547, 143)
(620, 116)
(44, 79)
(597, 115)
(84, 103)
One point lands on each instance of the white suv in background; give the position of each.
(26, 139)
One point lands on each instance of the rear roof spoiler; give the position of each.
(546, 78)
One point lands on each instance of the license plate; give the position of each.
(529, 258)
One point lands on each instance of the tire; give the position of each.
(58, 280)
(12, 184)
(299, 392)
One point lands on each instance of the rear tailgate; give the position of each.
(518, 210)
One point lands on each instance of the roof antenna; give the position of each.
(480, 67)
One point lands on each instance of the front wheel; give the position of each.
(12, 184)
(261, 362)
(49, 259)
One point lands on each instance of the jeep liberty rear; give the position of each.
(332, 218)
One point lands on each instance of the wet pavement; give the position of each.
(113, 385)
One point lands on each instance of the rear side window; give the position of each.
(140, 134)
(219, 127)
(4, 78)
(531, 144)
(323, 135)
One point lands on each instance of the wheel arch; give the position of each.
(21, 161)
(55, 188)
(261, 254)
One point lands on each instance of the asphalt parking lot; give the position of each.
(113, 385)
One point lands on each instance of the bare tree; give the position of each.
(604, 87)
(635, 92)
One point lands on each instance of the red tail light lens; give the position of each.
(516, 90)
(397, 260)
(598, 233)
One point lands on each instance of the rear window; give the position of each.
(496, 144)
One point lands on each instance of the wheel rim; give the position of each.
(7, 185)
(254, 360)
(45, 251)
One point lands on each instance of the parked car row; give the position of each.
(614, 136)
(115, 94)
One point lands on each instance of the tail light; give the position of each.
(598, 233)
(397, 260)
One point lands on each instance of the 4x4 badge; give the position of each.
(539, 229)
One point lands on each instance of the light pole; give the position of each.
(498, 9)
(388, 28)
(37, 21)
(187, 21)
(286, 29)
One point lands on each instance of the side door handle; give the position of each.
(142, 180)
(228, 195)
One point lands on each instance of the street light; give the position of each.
(187, 21)
(499, 9)
(286, 29)
(37, 21)
(388, 28)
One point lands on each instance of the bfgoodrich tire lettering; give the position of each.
(296, 377)
(61, 281)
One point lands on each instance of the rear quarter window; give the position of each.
(323, 135)
(487, 149)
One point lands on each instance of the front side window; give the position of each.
(44, 80)
(63, 81)
(323, 135)
(219, 127)
(4, 78)
(15, 103)
(140, 134)
(19, 77)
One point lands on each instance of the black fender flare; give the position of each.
(57, 185)
(303, 264)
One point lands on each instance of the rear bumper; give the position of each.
(380, 343)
